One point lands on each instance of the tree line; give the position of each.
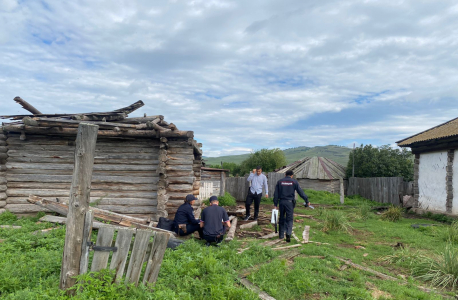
(370, 161)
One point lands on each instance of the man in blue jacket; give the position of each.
(185, 223)
(284, 194)
(214, 222)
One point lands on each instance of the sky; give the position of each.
(243, 75)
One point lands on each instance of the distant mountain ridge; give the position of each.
(338, 154)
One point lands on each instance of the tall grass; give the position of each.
(226, 200)
(335, 220)
(393, 214)
(404, 256)
(441, 271)
(451, 233)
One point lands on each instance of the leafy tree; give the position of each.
(268, 159)
(382, 161)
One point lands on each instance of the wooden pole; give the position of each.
(231, 233)
(223, 183)
(88, 222)
(79, 203)
(342, 191)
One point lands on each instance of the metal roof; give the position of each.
(315, 168)
(447, 129)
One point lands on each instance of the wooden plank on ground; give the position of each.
(249, 225)
(104, 239)
(305, 235)
(231, 233)
(155, 258)
(261, 294)
(119, 259)
(268, 236)
(287, 247)
(137, 256)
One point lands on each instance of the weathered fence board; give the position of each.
(380, 189)
(137, 256)
(155, 257)
(119, 259)
(104, 239)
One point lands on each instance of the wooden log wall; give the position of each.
(125, 178)
(183, 174)
(3, 181)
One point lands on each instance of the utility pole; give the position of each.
(353, 173)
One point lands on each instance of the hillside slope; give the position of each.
(338, 154)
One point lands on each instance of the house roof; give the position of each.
(214, 169)
(315, 168)
(445, 130)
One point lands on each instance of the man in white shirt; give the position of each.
(258, 181)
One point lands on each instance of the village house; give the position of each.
(317, 173)
(143, 167)
(435, 165)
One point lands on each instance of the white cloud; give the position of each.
(241, 74)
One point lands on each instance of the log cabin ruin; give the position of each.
(144, 167)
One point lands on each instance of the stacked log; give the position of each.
(3, 180)
(181, 175)
(143, 167)
(124, 178)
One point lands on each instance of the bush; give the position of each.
(226, 200)
(393, 214)
(335, 220)
(441, 271)
(451, 233)
(364, 212)
(405, 256)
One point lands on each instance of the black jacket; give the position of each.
(285, 188)
(185, 215)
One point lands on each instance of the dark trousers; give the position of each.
(190, 228)
(286, 218)
(213, 238)
(249, 199)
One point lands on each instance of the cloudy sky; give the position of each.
(242, 75)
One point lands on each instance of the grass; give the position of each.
(393, 214)
(226, 200)
(451, 233)
(335, 220)
(30, 264)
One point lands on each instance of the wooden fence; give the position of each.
(238, 186)
(380, 189)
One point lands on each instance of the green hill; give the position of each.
(338, 154)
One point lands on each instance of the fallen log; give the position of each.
(287, 247)
(261, 294)
(231, 233)
(249, 225)
(105, 215)
(237, 213)
(296, 238)
(26, 105)
(10, 227)
(268, 236)
(359, 267)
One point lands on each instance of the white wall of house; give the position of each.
(432, 181)
(455, 184)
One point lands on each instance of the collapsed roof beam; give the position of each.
(26, 105)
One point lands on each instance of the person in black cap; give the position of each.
(284, 193)
(185, 223)
(214, 222)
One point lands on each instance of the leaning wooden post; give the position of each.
(78, 204)
(342, 191)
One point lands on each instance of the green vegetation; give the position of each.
(335, 220)
(393, 214)
(382, 161)
(226, 200)
(451, 233)
(338, 154)
(31, 263)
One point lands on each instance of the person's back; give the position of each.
(287, 187)
(213, 217)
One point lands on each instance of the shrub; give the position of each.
(404, 256)
(441, 271)
(335, 220)
(364, 212)
(451, 233)
(226, 200)
(392, 214)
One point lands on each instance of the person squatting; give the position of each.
(284, 197)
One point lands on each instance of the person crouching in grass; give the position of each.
(214, 222)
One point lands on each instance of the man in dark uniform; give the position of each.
(284, 193)
(214, 222)
(185, 223)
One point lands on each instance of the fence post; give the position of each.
(222, 187)
(78, 204)
(342, 192)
